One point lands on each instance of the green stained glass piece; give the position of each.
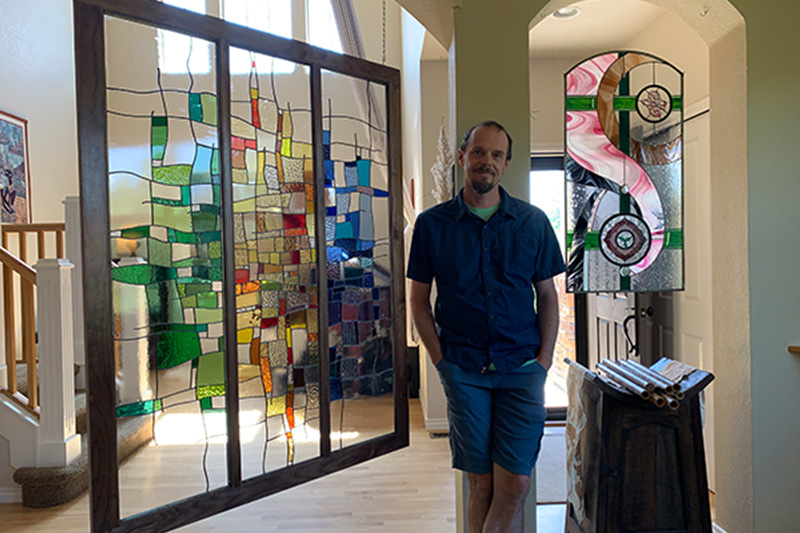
(145, 407)
(215, 170)
(624, 203)
(210, 236)
(195, 107)
(211, 370)
(197, 288)
(624, 103)
(581, 103)
(207, 300)
(570, 234)
(592, 240)
(209, 103)
(171, 235)
(673, 238)
(189, 301)
(205, 404)
(217, 193)
(207, 316)
(677, 102)
(208, 208)
(215, 274)
(221, 341)
(210, 391)
(135, 233)
(173, 174)
(177, 217)
(185, 237)
(158, 328)
(134, 274)
(174, 307)
(204, 221)
(177, 347)
(158, 137)
(624, 283)
(191, 261)
(271, 286)
(186, 195)
(165, 201)
(215, 250)
(159, 253)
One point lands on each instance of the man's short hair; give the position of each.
(487, 123)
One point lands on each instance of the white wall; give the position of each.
(669, 38)
(39, 85)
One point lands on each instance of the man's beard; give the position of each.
(483, 187)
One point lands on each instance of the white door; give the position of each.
(606, 322)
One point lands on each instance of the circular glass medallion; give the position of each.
(624, 239)
(654, 103)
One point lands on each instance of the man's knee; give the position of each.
(510, 486)
(480, 485)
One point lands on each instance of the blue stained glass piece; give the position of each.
(346, 190)
(335, 254)
(327, 166)
(364, 167)
(334, 312)
(355, 224)
(330, 211)
(350, 174)
(376, 294)
(376, 312)
(369, 280)
(344, 230)
(336, 389)
(326, 137)
(201, 167)
(381, 194)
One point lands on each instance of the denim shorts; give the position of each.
(494, 417)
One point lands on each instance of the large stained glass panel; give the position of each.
(624, 172)
(164, 191)
(358, 272)
(275, 242)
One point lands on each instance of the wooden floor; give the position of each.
(411, 490)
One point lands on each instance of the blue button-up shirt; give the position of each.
(484, 273)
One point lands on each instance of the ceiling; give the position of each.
(582, 35)
(579, 36)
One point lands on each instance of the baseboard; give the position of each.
(718, 529)
(10, 494)
(436, 424)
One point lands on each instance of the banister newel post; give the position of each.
(72, 220)
(58, 442)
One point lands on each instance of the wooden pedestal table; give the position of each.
(633, 467)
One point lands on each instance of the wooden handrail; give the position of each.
(22, 230)
(17, 265)
(33, 228)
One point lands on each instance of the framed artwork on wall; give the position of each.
(14, 170)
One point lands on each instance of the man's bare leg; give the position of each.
(508, 497)
(480, 496)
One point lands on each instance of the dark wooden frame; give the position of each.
(91, 107)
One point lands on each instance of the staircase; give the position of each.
(41, 415)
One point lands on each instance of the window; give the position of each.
(270, 16)
(322, 28)
(179, 54)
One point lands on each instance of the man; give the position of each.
(492, 350)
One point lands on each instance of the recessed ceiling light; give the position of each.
(566, 12)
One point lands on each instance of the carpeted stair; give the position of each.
(51, 486)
